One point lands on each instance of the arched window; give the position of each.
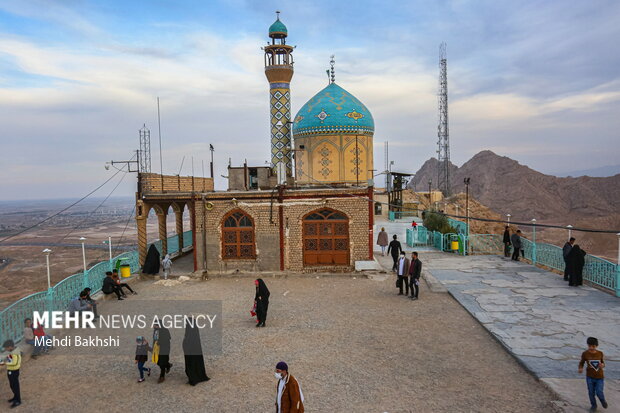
(238, 236)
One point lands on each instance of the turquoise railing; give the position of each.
(459, 226)
(418, 236)
(438, 240)
(57, 298)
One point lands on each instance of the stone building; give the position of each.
(315, 214)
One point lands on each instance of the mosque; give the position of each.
(311, 210)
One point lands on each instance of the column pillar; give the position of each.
(142, 213)
(163, 233)
(179, 223)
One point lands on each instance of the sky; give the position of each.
(535, 81)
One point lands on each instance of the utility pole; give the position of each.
(387, 166)
(211, 148)
(430, 199)
(443, 135)
(466, 181)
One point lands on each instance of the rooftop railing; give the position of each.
(58, 297)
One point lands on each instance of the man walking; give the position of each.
(415, 270)
(565, 252)
(395, 249)
(515, 239)
(289, 398)
(402, 273)
(507, 242)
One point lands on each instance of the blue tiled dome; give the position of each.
(333, 110)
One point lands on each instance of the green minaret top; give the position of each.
(278, 30)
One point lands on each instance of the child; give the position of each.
(595, 378)
(13, 362)
(29, 338)
(142, 349)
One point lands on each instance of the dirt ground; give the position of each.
(353, 344)
(27, 273)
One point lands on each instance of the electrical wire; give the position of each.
(95, 210)
(525, 224)
(61, 211)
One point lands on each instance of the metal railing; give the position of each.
(58, 297)
(597, 270)
(459, 226)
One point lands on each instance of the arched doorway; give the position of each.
(326, 238)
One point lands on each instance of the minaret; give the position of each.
(279, 71)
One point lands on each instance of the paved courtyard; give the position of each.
(354, 345)
(538, 318)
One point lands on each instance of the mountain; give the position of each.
(601, 171)
(506, 186)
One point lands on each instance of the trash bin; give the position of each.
(125, 271)
(455, 245)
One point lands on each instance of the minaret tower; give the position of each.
(279, 71)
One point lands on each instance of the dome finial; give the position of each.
(332, 63)
(277, 14)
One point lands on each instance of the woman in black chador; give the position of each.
(262, 302)
(194, 360)
(576, 260)
(151, 262)
(162, 338)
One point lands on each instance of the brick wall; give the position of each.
(267, 228)
(152, 183)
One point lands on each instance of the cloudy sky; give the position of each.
(536, 81)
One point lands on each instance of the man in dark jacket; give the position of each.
(395, 249)
(515, 240)
(565, 251)
(507, 242)
(402, 272)
(415, 270)
(110, 286)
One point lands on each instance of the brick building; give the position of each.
(320, 219)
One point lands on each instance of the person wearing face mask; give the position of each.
(290, 398)
(403, 273)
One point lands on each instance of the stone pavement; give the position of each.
(538, 318)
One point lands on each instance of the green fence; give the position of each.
(58, 297)
(596, 270)
(459, 226)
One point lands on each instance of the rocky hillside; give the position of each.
(506, 186)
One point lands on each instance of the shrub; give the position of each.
(435, 221)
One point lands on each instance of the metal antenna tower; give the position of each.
(144, 159)
(443, 141)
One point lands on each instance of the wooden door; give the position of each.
(326, 238)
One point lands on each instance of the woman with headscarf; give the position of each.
(161, 350)
(194, 360)
(576, 260)
(382, 240)
(262, 302)
(151, 262)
